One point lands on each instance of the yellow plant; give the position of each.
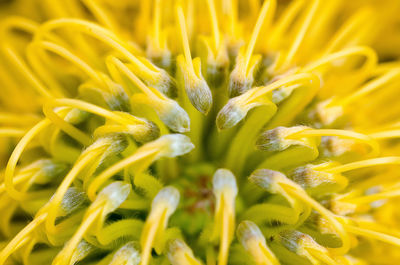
(192, 132)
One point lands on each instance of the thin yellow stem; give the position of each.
(300, 194)
(385, 134)
(184, 37)
(373, 234)
(11, 132)
(339, 133)
(302, 32)
(21, 238)
(16, 154)
(157, 23)
(371, 86)
(267, 11)
(224, 238)
(390, 160)
(214, 23)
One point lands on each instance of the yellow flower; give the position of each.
(199, 132)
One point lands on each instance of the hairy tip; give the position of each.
(200, 96)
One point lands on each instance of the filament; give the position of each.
(84, 160)
(12, 55)
(300, 35)
(66, 127)
(184, 38)
(11, 132)
(390, 160)
(267, 12)
(373, 234)
(21, 238)
(98, 32)
(339, 133)
(16, 154)
(214, 23)
(299, 193)
(371, 86)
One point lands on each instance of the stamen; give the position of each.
(40, 88)
(373, 234)
(349, 31)
(16, 154)
(304, 245)
(162, 207)
(277, 182)
(127, 254)
(41, 171)
(93, 154)
(368, 53)
(157, 22)
(229, 8)
(241, 77)
(236, 109)
(171, 145)
(254, 243)
(66, 54)
(339, 133)
(11, 132)
(143, 67)
(214, 23)
(21, 238)
(180, 254)
(284, 21)
(196, 87)
(317, 182)
(71, 130)
(371, 86)
(265, 16)
(167, 109)
(300, 35)
(374, 197)
(106, 202)
(387, 134)
(184, 37)
(18, 119)
(225, 191)
(101, 14)
(390, 160)
(123, 118)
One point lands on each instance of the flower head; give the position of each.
(199, 132)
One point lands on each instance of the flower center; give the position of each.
(198, 202)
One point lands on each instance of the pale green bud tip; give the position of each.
(49, 170)
(224, 180)
(230, 115)
(178, 144)
(176, 118)
(298, 242)
(83, 249)
(268, 179)
(167, 197)
(200, 95)
(247, 230)
(167, 85)
(317, 182)
(147, 133)
(118, 100)
(114, 194)
(76, 116)
(72, 200)
(128, 254)
(238, 84)
(175, 248)
(275, 139)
